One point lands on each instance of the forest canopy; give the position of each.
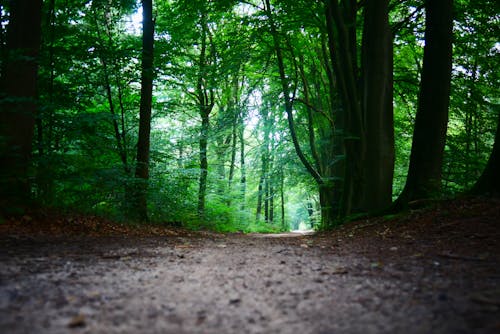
(258, 115)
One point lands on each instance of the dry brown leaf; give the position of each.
(77, 321)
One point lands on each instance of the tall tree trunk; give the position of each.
(271, 203)
(270, 176)
(261, 189)
(203, 162)
(429, 135)
(143, 144)
(232, 163)
(267, 119)
(489, 182)
(234, 112)
(206, 98)
(328, 210)
(377, 66)
(344, 62)
(18, 92)
(267, 195)
(223, 142)
(332, 198)
(243, 180)
(284, 224)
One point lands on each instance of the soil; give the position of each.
(433, 270)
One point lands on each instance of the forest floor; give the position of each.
(433, 270)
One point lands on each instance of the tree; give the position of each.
(287, 100)
(117, 110)
(265, 188)
(341, 27)
(89, 94)
(143, 144)
(472, 117)
(18, 93)
(205, 95)
(377, 97)
(429, 136)
(311, 78)
(365, 119)
(354, 164)
(488, 182)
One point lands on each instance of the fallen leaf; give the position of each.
(77, 321)
(339, 271)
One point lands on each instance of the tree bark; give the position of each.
(345, 60)
(377, 69)
(328, 210)
(337, 178)
(18, 92)
(143, 144)
(429, 135)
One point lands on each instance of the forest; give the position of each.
(250, 115)
(249, 166)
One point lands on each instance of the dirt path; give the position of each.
(432, 271)
(240, 284)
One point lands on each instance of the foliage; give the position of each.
(89, 92)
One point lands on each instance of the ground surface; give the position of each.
(433, 271)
